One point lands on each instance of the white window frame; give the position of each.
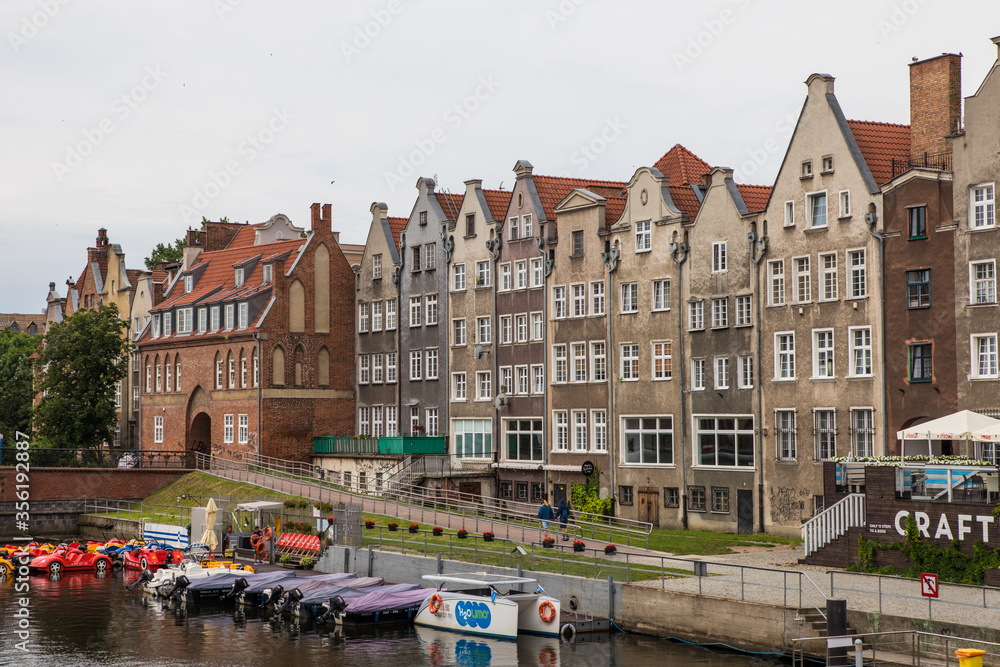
(580, 428)
(578, 361)
(362, 317)
(822, 432)
(802, 279)
(630, 298)
(364, 376)
(431, 363)
(484, 386)
(515, 228)
(599, 430)
(521, 274)
(661, 294)
(790, 213)
(578, 294)
(416, 365)
(862, 353)
(810, 198)
(391, 367)
(538, 379)
(696, 315)
(376, 266)
(855, 270)
(390, 314)
(458, 333)
(430, 256)
(158, 429)
(784, 360)
(521, 328)
(979, 371)
(844, 197)
(598, 297)
(560, 435)
(744, 310)
(719, 257)
(560, 364)
(697, 375)
(629, 362)
(559, 302)
(484, 330)
(662, 360)
(988, 284)
(431, 309)
(522, 386)
(376, 307)
(483, 274)
(746, 370)
(416, 310)
(823, 354)
(643, 236)
(227, 429)
(721, 372)
(598, 361)
(202, 320)
(537, 272)
(776, 282)
(506, 385)
(829, 288)
(720, 313)
(785, 430)
(506, 330)
(505, 278)
(982, 210)
(243, 429)
(537, 326)
(458, 278)
(863, 437)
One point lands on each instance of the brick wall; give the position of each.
(73, 484)
(935, 102)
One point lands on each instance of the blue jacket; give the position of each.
(563, 511)
(545, 512)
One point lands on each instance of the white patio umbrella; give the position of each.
(958, 426)
(209, 538)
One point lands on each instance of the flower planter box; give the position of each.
(579, 546)
(369, 525)
(437, 532)
(610, 551)
(548, 544)
(487, 537)
(393, 527)
(414, 529)
(462, 535)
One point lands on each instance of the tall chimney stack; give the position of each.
(935, 103)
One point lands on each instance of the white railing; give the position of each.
(833, 522)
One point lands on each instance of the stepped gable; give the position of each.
(450, 204)
(396, 226)
(498, 201)
(880, 143)
(552, 189)
(754, 196)
(682, 167)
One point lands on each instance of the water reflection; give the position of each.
(84, 618)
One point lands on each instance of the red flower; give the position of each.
(611, 546)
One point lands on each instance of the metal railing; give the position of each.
(891, 588)
(940, 161)
(778, 586)
(833, 522)
(895, 646)
(407, 501)
(341, 445)
(43, 457)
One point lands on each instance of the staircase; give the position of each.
(833, 522)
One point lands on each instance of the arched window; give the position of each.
(32, 329)
(256, 369)
(323, 367)
(321, 289)
(296, 308)
(149, 375)
(278, 367)
(14, 327)
(159, 375)
(177, 373)
(299, 371)
(218, 370)
(243, 369)
(231, 370)
(168, 374)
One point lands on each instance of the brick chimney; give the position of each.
(935, 103)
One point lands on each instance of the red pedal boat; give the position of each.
(151, 558)
(70, 560)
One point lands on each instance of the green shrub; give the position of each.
(587, 497)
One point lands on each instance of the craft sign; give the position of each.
(929, 585)
(963, 526)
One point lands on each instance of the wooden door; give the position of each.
(649, 505)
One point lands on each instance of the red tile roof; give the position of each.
(450, 204)
(613, 210)
(685, 200)
(498, 202)
(682, 167)
(552, 189)
(158, 276)
(216, 282)
(879, 144)
(754, 196)
(132, 275)
(396, 226)
(244, 237)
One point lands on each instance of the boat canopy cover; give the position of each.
(307, 584)
(321, 595)
(226, 580)
(258, 585)
(382, 599)
(260, 505)
(476, 579)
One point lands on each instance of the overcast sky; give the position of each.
(142, 117)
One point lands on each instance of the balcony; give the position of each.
(395, 446)
(940, 161)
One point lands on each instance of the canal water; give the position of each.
(89, 619)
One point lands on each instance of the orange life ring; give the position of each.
(546, 611)
(435, 603)
(268, 534)
(256, 541)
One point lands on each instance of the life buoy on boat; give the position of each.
(435, 603)
(268, 533)
(546, 611)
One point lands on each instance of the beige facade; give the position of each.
(821, 320)
(977, 247)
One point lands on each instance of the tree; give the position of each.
(83, 359)
(16, 383)
(166, 253)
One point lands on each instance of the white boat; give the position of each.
(165, 576)
(496, 606)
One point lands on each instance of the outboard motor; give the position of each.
(177, 591)
(146, 576)
(293, 596)
(270, 595)
(335, 607)
(238, 587)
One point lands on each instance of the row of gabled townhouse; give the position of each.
(704, 344)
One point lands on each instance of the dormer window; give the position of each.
(188, 284)
(238, 277)
(156, 325)
(807, 169)
(268, 271)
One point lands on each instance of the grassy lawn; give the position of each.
(710, 543)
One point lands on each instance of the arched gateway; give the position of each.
(199, 423)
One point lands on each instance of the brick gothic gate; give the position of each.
(199, 431)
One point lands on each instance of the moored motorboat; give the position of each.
(384, 604)
(484, 609)
(227, 586)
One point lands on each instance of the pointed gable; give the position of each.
(682, 167)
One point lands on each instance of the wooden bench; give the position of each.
(297, 546)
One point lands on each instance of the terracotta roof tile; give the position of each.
(396, 226)
(879, 144)
(244, 237)
(613, 209)
(685, 199)
(216, 283)
(754, 196)
(132, 275)
(498, 202)
(552, 189)
(450, 204)
(682, 167)
(158, 276)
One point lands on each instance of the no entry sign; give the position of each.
(929, 585)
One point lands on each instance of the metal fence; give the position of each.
(43, 457)
(893, 647)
